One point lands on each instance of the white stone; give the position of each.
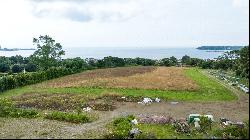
(87, 109)
(157, 100)
(134, 121)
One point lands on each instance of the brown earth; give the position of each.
(163, 78)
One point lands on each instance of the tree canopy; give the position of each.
(47, 53)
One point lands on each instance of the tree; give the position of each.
(48, 52)
(18, 59)
(16, 68)
(165, 62)
(185, 59)
(173, 61)
(4, 67)
(30, 67)
(76, 64)
(242, 63)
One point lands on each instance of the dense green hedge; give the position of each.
(23, 79)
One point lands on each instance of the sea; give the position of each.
(126, 52)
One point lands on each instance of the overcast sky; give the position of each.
(125, 23)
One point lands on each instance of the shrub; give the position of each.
(21, 79)
(234, 132)
(205, 124)
(68, 117)
(30, 67)
(7, 109)
(120, 128)
(4, 67)
(16, 69)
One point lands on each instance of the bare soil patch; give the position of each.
(162, 78)
(70, 102)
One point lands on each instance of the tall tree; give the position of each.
(243, 62)
(48, 52)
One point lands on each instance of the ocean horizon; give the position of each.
(126, 52)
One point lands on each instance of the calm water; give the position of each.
(153, 53)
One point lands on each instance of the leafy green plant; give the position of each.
(68, 117)
(7, 109)
(234, 132)
(120, 128)
(205, 124)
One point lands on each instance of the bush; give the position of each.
(68, 117)
(4, 67)
(30, 67)
(234, 132)
(205, 124)
(120, 128)
(16, 69)
(7, 109)
(23, 79)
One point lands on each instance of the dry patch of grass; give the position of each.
(162, 78)
(88, 76)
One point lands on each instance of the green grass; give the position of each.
(209, 90)
(7, 109)
(68, 117)
(164, 132)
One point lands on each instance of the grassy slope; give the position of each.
(210, 90)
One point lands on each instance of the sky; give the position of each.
(125, 23)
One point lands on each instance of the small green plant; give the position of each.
(234, 132)
(120, 128)
(68, 117)
(7, 109)
(149, 135)
(205, 124)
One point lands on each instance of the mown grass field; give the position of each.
(205, 89)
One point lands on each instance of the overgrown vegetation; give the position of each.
(234, 132)
(7, 109)
(120, 127)
(68, 117)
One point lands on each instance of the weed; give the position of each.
(68, 117)
(7, 109)
(120, 128)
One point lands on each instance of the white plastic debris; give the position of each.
(123, 97)
(134, 121)
(196, 119)
(146, 101)
(87, 109)
(133, 132)
(157, 100)
(196, 124)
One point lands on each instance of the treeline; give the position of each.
(46, 64)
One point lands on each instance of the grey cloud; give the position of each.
(76, 15)
(78, 10)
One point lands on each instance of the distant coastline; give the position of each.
(219, 48)
(14, 49)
